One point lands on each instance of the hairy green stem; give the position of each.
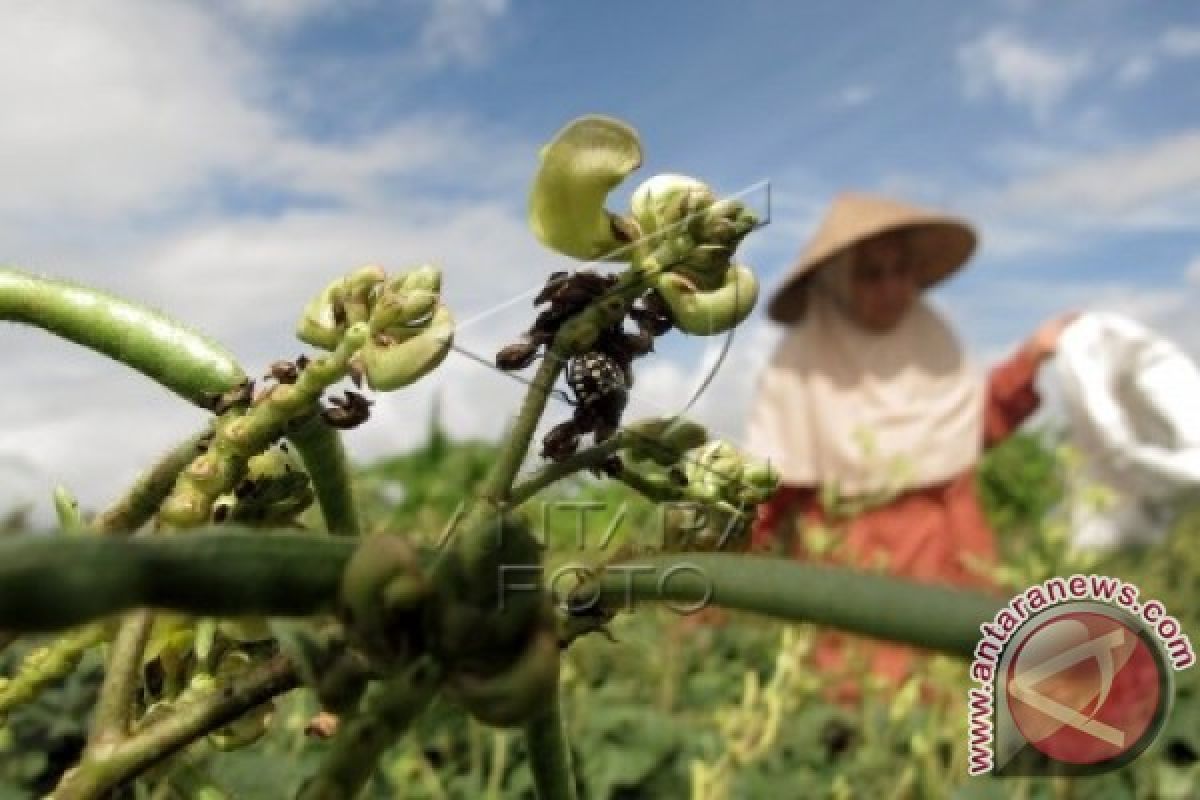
(556, 471)
(388, 711)
(550, 755)
(180, 359)
(475, 535)
(657, 493)
(123, 673)
(50, 583)
(142, 500)
(929, 616)
(107, 768)
(320, 447)
(498, 484)
(45, 665)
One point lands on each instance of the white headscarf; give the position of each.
(838, 405)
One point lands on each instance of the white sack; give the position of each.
(1133, 402)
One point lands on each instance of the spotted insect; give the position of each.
(601, 387)
(596, 377)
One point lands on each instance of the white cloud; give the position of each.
(1055, 199)
(1174, 43)
(120, 109)
(1181, 42)
(1153, 184)
(275, 15)
(1135, 70)
(1192, 272)
(145, 105)
(1026, 74)
(854, 95)
(460, 30)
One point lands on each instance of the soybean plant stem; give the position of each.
(496, 492)
(320, 447)
(933, 617)
(109, 767)
(497, 487)
(550, 754)
(50, 583)
(114, 707)
(388, 711)
(556, 471)
(142, 499)
(43, 667)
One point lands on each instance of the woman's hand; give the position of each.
(1044, 341)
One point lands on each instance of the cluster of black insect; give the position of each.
(347, 411)
(600, 379)
(237, 396)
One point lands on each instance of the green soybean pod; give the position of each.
(180, 359)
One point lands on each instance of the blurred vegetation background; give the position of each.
(674, 709)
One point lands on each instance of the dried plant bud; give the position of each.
(549, 321)
(517, 356)
(283, 371)
(352, 401)
(604, 429)
(638, 344)
(574, 297)
(594, 283)
(239, 395)
(553, 284)
(650, 323)
(610, 467)
(347, 412)
(561, 441)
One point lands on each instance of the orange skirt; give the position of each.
(935, 535)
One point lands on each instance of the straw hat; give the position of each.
(938, 244)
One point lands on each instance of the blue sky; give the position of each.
(223, 160)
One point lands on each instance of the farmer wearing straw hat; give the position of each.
(871, 413)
